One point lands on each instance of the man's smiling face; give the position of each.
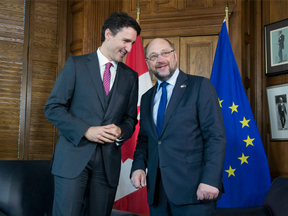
(120, 44)
(163, 67)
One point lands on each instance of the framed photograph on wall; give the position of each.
(277, 104)
(276, 47)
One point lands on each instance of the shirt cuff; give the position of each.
(119, 140)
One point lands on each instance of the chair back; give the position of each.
(277, 197)
(26, 188)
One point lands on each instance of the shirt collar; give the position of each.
(103, 60)
(171, 81)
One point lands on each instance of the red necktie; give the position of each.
(107, 77)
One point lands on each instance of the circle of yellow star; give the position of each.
(245, 122)
(243, 159)
(249, 141)
(230, 171)
(233, 108)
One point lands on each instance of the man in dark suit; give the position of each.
(282, 112)
(281, 46)
(94, 105)
(184, 149)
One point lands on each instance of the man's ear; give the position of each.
(147, 65)
(175, 55)
(108, 34)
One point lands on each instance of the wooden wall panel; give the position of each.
(11, 66)
(164, 6)
(43, 65)
(85, 20)
(199, 4)
(77, 33)
(278, 159)
(197, 54)
(179, 18)
(29, 60)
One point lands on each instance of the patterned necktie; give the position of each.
(107, 77)
(162, 107)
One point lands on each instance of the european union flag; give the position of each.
(246, 176)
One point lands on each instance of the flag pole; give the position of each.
(227, 16)
(138, 13)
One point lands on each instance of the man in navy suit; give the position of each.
(94, 105)
(185, 155)
(281, 46)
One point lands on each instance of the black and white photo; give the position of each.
(277, 104)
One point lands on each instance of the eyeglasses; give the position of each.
(164, 54)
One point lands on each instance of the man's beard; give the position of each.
(166, 76)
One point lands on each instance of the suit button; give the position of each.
(159, 142)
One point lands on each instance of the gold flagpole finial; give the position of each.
(138, 13)
(227, 16)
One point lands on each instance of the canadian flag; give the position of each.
(127, 197)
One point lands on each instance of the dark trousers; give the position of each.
(280, 54)
(283, 120)
(163, 207)
(88, 194)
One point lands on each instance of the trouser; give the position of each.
(283, 120)
(87, 194)
(280, 54)
(163, 207)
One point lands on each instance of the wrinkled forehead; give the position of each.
(157, 46)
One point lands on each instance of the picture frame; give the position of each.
(277, 105)
(276, 47)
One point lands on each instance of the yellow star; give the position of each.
(245, 122)
(234, 108)
(220, 102)
(249, 141)
(230, 171)
(243, 159)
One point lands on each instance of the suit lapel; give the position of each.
(94, 70)
(150, 111)
(176, 96)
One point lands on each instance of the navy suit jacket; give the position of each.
(191, 147)
(77, 103)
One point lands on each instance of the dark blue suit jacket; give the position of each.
(191, 147)
(77, 103)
